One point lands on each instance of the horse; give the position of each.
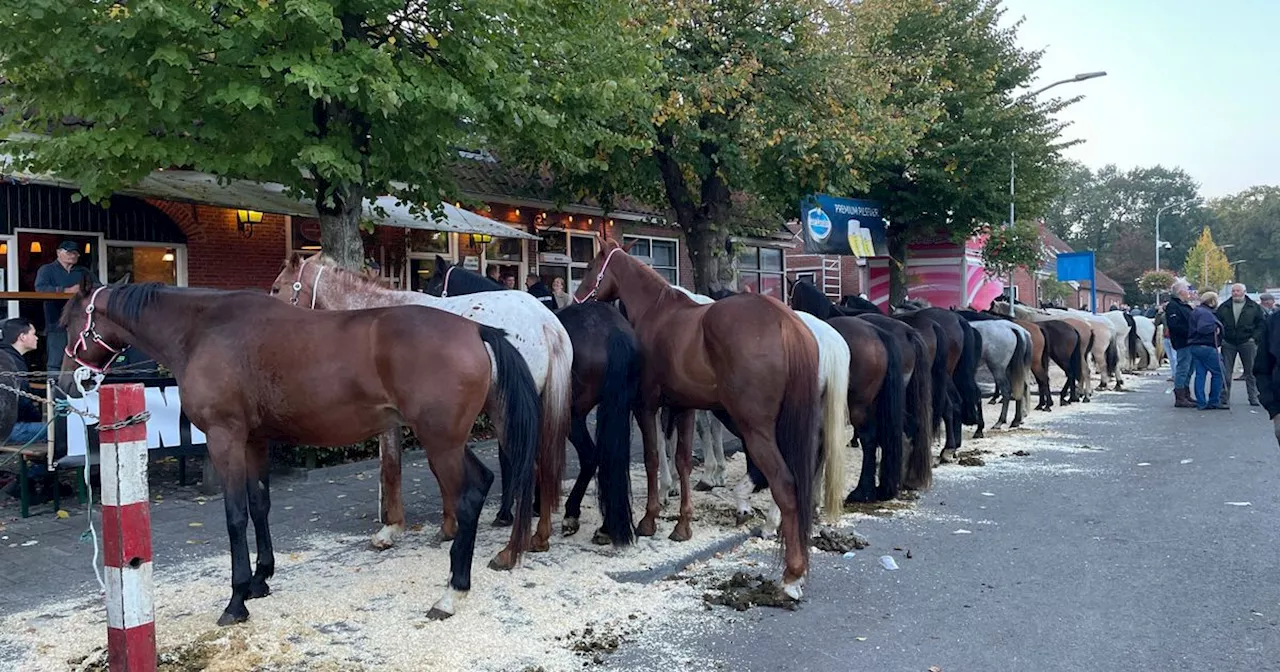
(748, 356)
(1149, 353)
(1049, 340)
(254, 369)
(605, 375)
(923, 372)
(1075, 362)
(1006, 350)
(964, 352)
(534, 332)
(1105, 350)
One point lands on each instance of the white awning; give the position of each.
(187, 186)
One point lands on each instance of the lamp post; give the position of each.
(1235, 269)
(1160, 212)
(1013, 164)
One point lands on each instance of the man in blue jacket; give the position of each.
(1177, 321)
(1203, 339)
(62, 276)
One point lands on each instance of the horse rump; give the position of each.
(966, 375)
(517, 395)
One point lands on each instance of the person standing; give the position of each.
(539, 290)
(1268, 304)
(60, 276)
(1241, 320)
(1266, 369)
(563, 300)
(19, 337)
(1203, 339)
(1177, 323)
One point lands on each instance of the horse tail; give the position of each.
(970, 395)
(1131, 340)
(796, 426)
(833, 362)
(941, 377)
(517, 396)
(613, 435)
(1018, 366)
(557, 410)
(1077, 354)
(920, 399)
(890, 412)
(1112, 358)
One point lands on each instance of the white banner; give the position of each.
(162, 428)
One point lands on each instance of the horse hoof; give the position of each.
(387, 536)
(979, 435)
(503, 520)
(230, 617)
(258, 589)
(438, 614)
(741, 517)
(569, 527)
(793, 590)
(859, 497)
(600, 538)
(683, 532)
(502, 562)
(947, 456)
(703, 486)
(647, 527)
(446, 535)
(540, 544)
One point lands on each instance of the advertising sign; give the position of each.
(843, 226)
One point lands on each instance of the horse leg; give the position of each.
(741, 495)
(227, 451)
(767, 456)
(647, 421)
(666, 470)
(588, 461)
(503, 517)
(711, 436)
(391, 503)
(684, 466)
(468, 482)
(865, 491)
(258, 489)
(951, 442)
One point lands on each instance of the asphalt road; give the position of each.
(1079, 561)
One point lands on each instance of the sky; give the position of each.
(1194, 84)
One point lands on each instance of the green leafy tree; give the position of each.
(759, 104)
(1008, 249)
(338, 100)
(1251, 221)
(1154, 282)
(1207, 264)
(955, 179)
(1054, 291)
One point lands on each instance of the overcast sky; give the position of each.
(1190, 84)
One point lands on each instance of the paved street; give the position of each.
(1111, 546)
(1116, 567)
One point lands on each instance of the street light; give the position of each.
(1161, 243)
(1013, 163)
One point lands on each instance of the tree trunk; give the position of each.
(897, 264)
(340, 226)
(713, 265)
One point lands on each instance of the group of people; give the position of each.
(1207, 338)
(554, 297)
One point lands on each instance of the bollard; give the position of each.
(126, 531)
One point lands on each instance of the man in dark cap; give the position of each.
(61, 276)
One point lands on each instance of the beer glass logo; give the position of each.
(860, 240)
(819, 224)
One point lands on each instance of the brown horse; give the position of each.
(253, 369)
(747, 356)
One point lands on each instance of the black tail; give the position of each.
(920, 419)
(966, 372)
(890, 419)
(1113, 359)
(1077, 362)
(613, 435)
(941, 378)
(1018, 366)
(522, 411)
(1132, 340)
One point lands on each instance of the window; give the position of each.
(564, 254)
(762, 270)
(810, 277)
(420, 255)
(663, 254)
(142, 263)
(1013, 291)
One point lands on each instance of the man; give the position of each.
(494, 273)
(540, 291)
(60, 276)
(1268, 303)
(509, 281)
(1177, 321)
(1241, 319)
(1266, 369)
(17, 338)
(1204, 338)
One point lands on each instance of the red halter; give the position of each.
(90, 334)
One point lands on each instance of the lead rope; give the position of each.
(444, 289)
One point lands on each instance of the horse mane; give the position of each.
(978, 316)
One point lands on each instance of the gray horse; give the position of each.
(1006, 349)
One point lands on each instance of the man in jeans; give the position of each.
(1204, 337)
(1177, 321)
(1241, 320)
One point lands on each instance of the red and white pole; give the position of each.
(126, 531)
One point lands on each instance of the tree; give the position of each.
(760, 103)
(1054, 291)
(338, 100)
(955, 179)
(1155, 282)
(1207, 264)
(1251, 221)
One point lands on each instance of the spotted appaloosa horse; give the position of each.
(535, 333)
(748, 356)
(254, 369)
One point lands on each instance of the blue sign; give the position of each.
(1079, 266)
(843, 226)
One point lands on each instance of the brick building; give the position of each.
(1027, 285)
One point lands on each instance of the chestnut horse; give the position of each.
(748, 356)
(253, 369)
(535, 333)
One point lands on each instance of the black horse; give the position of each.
(606, 375)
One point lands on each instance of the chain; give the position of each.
(115, 371)
(135, 419)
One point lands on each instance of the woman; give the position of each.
(562, 297)
(1203, 339)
